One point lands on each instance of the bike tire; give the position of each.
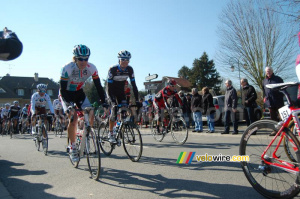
(11, 131)
(179, 130)
(45, 141)
(104, 144)
(93, 155)
(132, 142)
(287, 146)
(268, 180)
(157, 136)
(37, 143)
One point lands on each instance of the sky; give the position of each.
(162, 35)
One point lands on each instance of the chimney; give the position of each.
(36, 77)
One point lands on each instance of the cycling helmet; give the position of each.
(172, 82)
(124, 54)
(16, 102)
(81, 51)
(26, 105)
(7, 104)
(42, 87)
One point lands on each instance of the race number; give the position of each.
(284, 112)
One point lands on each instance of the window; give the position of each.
(50, 92)
(21, 92)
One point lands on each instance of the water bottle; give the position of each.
(117, 126)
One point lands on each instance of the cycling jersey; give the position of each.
(72, 80)
(40, 102)
(163, 95)
(57, 104)
(14, 111)
(24, 111)
(4, 112)
(116, 82)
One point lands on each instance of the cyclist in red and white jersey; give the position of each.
(73, 77)
(38, 105)
(160, 100)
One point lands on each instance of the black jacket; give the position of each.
(208, 104)
(273, 99)
(196, 103)
(249, 95)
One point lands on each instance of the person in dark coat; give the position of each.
(248, 101)
(185, 108)
(208, 109)
(196, 107)
(273, 99)
(230, 108)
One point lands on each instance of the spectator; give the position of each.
(272, 99)
(208, 109)
(196, 104)
(185, 108)
(248, 101)
(230, 106)
(189, 100)
(10, 45)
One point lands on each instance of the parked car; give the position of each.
(219, 105)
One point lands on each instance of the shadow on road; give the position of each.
(25, 189)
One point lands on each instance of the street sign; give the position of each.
(150, 77)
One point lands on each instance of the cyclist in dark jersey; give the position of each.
(10, 45)
(14, 113)
(117, 76)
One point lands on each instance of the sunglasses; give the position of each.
(124, 59)
(81, 59)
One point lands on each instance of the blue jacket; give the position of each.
(274, 99)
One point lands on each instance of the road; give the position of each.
(27, 173)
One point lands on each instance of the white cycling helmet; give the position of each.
(7, 104)
(42, 87)
(124, 54)
(16, 102)
(81, 51)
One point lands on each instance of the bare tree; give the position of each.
(257, 37)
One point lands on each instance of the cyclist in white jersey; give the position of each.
(58, 110)
(38, 105)
(73, 77)
(4, 114)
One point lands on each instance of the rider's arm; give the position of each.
(178, 98)
(109, 85)
(49, 104)
(32, 104)
(133, 84)
(99, 88)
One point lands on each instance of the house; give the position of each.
(182, 84)
(21, 88)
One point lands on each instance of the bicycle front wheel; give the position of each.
(179, 131)
(45, 141)
(93, 155)
(132, 142)
(269, 180)
(104, 144)
(157, 135)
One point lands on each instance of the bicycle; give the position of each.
(270, 169)
(12, 128)
(42, 135)
(87, 144)
(23, 125)
(58, 126)
(125, 130)
(175, 124)
(6, 128)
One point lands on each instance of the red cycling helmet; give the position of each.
(172, 82)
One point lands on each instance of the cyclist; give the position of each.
(13, 115)
(58, 112)
(4, 114)
(10, 45)
(73, 77)
(117, 76)
(160, 100)
(24, 115)
(38, 105)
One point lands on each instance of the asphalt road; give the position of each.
(27, 173)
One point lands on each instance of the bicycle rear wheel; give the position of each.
(132, 142)
(93, 155)
(104, 144)
(45, 141)
(158, 136)
(268, 180)
(179, 131)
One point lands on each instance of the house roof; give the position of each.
(11, 83)
(180, 81)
